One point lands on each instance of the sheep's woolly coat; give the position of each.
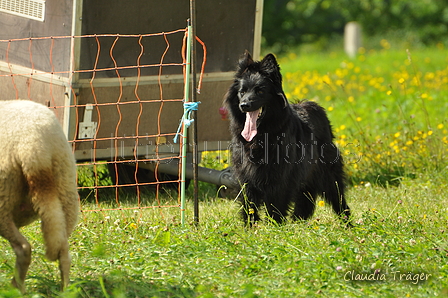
(37, 180)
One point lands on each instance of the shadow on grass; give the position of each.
(117, 285)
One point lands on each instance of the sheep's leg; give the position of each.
(55, 233)
(21, 248)
(64, 266)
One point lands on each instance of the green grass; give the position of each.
(392, 130)
(416, 79)
(388, 108)
(145, 254)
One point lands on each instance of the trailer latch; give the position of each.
(87, 128)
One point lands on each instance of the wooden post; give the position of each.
(352, 38)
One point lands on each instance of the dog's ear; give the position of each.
(269, 64)
(244, 62)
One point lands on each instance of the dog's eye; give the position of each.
(260, 92)
(242, 93)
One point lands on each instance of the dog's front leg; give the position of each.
(250, 206)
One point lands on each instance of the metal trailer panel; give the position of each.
(212, 93)
(227, 27)
(58, 22)
(38, 91)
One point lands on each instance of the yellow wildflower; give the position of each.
(385, 44)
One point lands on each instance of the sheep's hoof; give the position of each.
(21, 287)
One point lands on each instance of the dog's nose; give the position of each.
(244, 106)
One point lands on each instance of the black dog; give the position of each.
(283, 154)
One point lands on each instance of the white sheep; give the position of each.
(37, 180)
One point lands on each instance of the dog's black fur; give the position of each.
(292, 158)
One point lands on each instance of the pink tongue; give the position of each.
(250, 127)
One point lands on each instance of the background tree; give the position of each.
(288, 23)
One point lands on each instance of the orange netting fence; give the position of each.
(119, 99)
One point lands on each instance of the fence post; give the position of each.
(194, 132)
(184, 128)
(352, 38)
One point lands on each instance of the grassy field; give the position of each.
(388, 108)
(389, 111)
(398, 242)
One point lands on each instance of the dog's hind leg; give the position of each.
(21, 248)
(335, 195)
(304, 205)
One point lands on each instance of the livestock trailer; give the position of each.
(113, 71)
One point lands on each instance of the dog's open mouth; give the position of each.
(250, 127)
